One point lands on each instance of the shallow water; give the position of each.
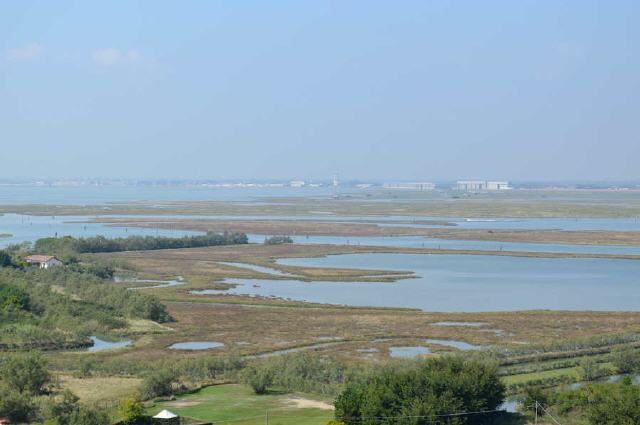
(461, 324)
(408, 352)
(99, 344)
(29, 228)
(25, 228)
(196, 345)
(435, 243)
(297, 349)
(179, 280)
(92, 195)
(635, 379)
(259, 269)
(368, 350)
(619, 224)
(510, 405)
(459, 283)
(460, 345)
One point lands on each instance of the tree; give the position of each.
(258, 377)
(59, 409)
(5, 259)
(422, 395)
(158, 383)
(534, 394)
(614, 404)
(16, 406)
(278, 240)
(590, 369)
(13, 298)
(27, 373)
(88, 416)
(131, 408)
(626, 360)
(85, 367)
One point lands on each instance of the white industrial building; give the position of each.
(410, 186)
(497, 185)
(480, 185)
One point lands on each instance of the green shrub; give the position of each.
(439, 386)
(590, 369)
(258, 377)
(25, 372)
(131, 409)
(158, 383)
(278, 240)
(626, 360)
(614, 404)
(16, 406)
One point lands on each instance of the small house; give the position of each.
(43, 261)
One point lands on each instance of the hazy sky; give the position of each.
(412, 90)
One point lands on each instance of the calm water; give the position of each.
(621, 224)
(510, 405)
(259, 269)
(434, 243)
(458, 283)
(179, 280)
(92, 195)
(460, 345)
(99, 344)
(29, 228)
(408, 352)
(24, 228)
(296, 349)
(196, 345)
(461, 324)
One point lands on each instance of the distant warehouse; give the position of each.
(475, 185)
(410, 186)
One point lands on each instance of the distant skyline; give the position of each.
(373, 90)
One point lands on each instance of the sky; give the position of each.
(393, 90)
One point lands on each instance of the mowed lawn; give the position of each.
(238, 404)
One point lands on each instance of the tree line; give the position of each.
(95, 244)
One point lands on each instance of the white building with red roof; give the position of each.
(43, 261)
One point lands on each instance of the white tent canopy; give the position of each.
(165, 414)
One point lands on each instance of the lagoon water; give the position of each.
(25, 228)
(255, 268)
(29, 228)
(95, 195)
(471, 283)
(434, 243)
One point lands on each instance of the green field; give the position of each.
(238, 404)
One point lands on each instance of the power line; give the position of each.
(549, 414)
(268, 416)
